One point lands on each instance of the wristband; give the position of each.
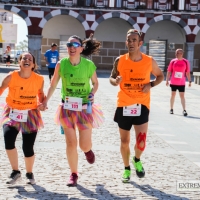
(91, 94)
(152, 84)
(190, 81)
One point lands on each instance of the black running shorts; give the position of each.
(180, 88)
(126, 122)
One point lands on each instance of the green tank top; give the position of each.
(76, 79)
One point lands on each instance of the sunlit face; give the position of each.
(179, 54)
(133, 42)
(26, 61)
(74, 51)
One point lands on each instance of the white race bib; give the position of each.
(178, 74)
(53, 60)
(18, 115)
(133, 110)
(73, 103)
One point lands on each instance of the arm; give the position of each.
(189, 78)
(168, 77)
(46, 60)
(95, 84)
(115, 79)
(41, 93)
(52, 87)
(5, 83)
(157, 73)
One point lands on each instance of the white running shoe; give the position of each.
(14, 177)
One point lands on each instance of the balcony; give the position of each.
(160, 5)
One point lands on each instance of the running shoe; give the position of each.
(171, 111)
(139, 168)
(185, 113)
(30, 178)
(72, 180)
(126, 176)
(14, 177)
(90, 157)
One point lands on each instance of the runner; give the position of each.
(76, 73)
(51, 57)
(25, 90)
(177, 69)
(132, 72)
(7, 55)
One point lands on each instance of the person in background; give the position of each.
(51, 57)
(7, 55)
(177, 70)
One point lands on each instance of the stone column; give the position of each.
(34, 47)
(189, 53)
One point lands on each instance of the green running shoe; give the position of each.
(126, 176)
(139, 168)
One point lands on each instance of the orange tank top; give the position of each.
(134, 76)
(22, 94)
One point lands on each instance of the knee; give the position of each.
(125, 142)
(141, 141)
(85, 147)
(71, 143)
(28, 150)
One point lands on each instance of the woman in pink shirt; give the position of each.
(178, 69)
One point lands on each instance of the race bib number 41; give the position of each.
(133, 110)
(73, 103)
(18, 115)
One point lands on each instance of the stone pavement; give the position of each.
(164, 164)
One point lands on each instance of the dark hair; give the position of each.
(34, 62)
(90, 45)
(54, 45)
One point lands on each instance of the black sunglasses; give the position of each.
(73, 44)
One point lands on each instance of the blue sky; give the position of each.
(22, 30)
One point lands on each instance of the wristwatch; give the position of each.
(152, 83)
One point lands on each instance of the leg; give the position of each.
(172, 99)
(10, 135)
(71, 149)
(85, 140)
(140, 130)
(27, 146)
(182, 96)
(124, 148)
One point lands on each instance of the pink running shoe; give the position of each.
(72, 180)
(90, 157)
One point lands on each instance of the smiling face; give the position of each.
(133, 43)
(27, 61)
(74, 51)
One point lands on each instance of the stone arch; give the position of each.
(19, 12)
(115, 15)
(64, 12)
(169, 17)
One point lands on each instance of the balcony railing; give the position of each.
(119, 5)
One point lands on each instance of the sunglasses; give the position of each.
(134, 31)
(73, 44)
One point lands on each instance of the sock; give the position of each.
(128, 168)
(16, 171)
(136, 159)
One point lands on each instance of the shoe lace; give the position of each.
(139, 166)
(126, 173)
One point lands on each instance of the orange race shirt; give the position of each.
(23, 92)
(134, 76)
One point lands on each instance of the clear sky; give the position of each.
(22, 30)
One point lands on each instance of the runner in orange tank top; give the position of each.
(25, 94)
(132, 73)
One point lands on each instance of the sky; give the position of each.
(22, 30)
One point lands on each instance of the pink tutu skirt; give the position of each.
(34, 121)
(81, 119)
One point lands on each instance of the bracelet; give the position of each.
(91, 93)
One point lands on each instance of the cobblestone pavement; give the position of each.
(163, 164)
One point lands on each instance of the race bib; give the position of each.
(178, 74)
(133, 110)
(73, 103)
(18, 115)
(53, 60)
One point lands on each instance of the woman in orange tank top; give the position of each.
(25, 93)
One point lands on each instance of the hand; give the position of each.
(118, 80)
(190, 84)
(167, 83)
(91, 97)
(146, 88)
(43, 106)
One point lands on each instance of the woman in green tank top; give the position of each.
(77, 97)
